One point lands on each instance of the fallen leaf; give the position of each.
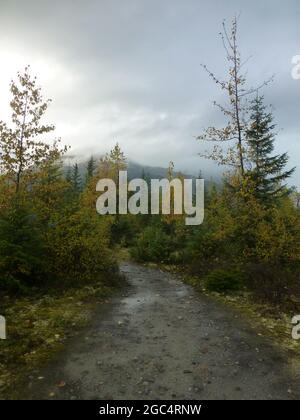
(61, 384)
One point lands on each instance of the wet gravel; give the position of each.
(161, 340)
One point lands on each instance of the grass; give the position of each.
(38, 327)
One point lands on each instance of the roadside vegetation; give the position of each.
(55, 250)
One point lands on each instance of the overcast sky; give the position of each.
(129, 70)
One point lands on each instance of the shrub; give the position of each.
(78, 250)
(152, 245)
(21, 249)
(123, 230)
(274, 284)
(223, 281)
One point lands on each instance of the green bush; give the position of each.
(78, 250)
(21, 249)
(223, 281)
(123, 230)
(274, 284)
(153, 245)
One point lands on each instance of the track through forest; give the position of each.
(160, 339)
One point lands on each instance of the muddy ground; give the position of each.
(162, 340)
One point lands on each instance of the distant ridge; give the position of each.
(134, 169)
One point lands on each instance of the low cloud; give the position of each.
(129, 71)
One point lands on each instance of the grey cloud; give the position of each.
(133, 61)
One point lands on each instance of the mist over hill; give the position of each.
(138, 170)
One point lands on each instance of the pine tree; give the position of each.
(90, 169)
(118, 160)
(50, 192)
(76, 181)
(112, 163)
(21, 247)
(267, 173)
(68, 174)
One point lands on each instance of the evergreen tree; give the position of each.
(118, 160)
(90, 169)
(76, 181)
(69, 174)
(112, 163)
(50, 192)
(21, 248)
(267, 173)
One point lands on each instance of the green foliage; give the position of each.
(50, 232)
(75, 179)
(21, 248)
(223, 281)
(22, 150)
(274, 283)
(153, 244)
(124, 230)
(268, 171)
(79, 249)
(90, 169)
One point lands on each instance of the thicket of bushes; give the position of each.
(50, 233)
(242, 244)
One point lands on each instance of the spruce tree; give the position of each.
(90, 169)
(68, 174)
(21, 247)
(76, 181)
(267, 172)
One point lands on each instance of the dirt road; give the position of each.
(161, 340)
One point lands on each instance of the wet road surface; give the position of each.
(162, 340)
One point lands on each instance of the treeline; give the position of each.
(250, 237)
(50, 233)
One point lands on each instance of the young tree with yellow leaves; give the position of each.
(22, 146)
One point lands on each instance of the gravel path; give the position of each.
(161, 340)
